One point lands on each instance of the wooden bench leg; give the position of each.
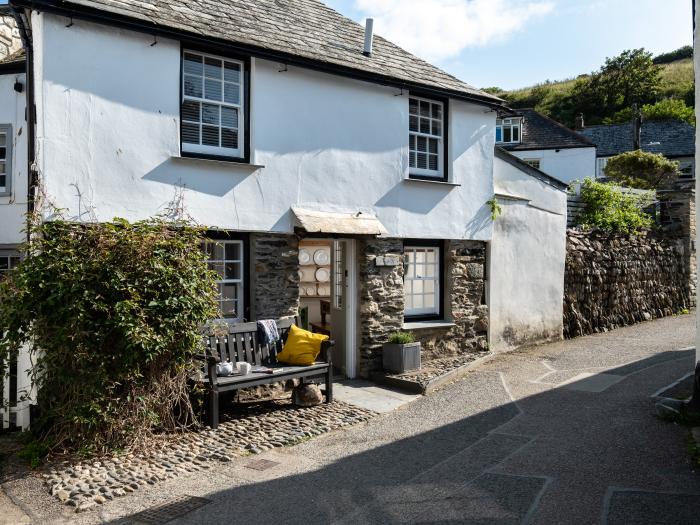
(329, 385)
(213, 408)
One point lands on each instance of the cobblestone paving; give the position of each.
(437, 367)
(250, 430)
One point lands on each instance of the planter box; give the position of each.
(400, 358)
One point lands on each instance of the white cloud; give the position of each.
(440, 29)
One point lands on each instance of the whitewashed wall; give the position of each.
(14, 207)
(109, 133)
(526, 260)
(565, 164)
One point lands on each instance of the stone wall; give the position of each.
(9, 36)
(613, 280)
(274, 275)
(382, 304)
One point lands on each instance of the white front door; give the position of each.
(343, 307)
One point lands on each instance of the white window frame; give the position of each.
(510, 123)
(412, 276)
(533, 163)
(423, 172)
(240, 306)
(188, 147)
(6, 190)
(9, 259)
(600, 164)
(687, 164)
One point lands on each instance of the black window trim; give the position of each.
(440, 245)
(228, 235)
(445, 136)
(245, 159)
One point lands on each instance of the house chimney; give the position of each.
(369, 37)
(579, 125)
(636, 128)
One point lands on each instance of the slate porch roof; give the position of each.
(297, 28)
(672, 138)
(541, 132)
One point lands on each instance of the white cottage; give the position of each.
(339, 176)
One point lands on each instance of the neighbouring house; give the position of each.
(339, 175)
(675, 139)
(546, 145)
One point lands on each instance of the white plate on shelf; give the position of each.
(304, 256)
(322, 256)
(302, 291)
(324, 290)
(307, 275)
(311, 290)
(323, 275)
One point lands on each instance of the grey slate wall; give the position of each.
(274, 275)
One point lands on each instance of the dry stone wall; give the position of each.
(274, 275)
(613, 280)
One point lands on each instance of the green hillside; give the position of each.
(649, 83)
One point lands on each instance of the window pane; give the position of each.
(437, 111)
(233, 270)
(499, 135)
(210, 114)
(210, 136)
(424, 108)
(420, 256)
(3, 139)
(229, 291)
(232, 93)
(190, 110)
(413, 123)
(229, 138)
(193, 86)
(424, 125)
(4, 263)
(413, 106)
(193, 64)
(437, 128)
(212, 89)
(506, 134)
(417, 287)
(233, 251)
(190, 133)
(422, 161)
(3, 181)
(217, 267)
(412, 159)
(516, 134)
(429, 286)
(429, 301)
(229, 117)
(433, 162)
(228, 308)
(421, 144)
(408, 302)
(212, 68)
(232, 72)
(433, 145)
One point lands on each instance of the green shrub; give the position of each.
(401, 338)
(112, 312)
(608, 207)
(642, 170)
(34, 453)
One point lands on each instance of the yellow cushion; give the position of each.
(302, 347)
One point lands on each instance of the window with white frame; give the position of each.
(5, 158)
(535, 163)
(226, 258)
(212, 105)
(508, 130)
(600, 164)
(421, 281)
(8, 261)
(687, 168)
(426, 125)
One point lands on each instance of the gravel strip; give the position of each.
(251, 429)
(436, 368)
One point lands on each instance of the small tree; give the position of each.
(609, 207)
(113, 313)
(641, 169)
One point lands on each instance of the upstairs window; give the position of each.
(5, 158)
(426, 143)
(508, 130)
(212, 105)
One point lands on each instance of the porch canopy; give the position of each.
(357, 223)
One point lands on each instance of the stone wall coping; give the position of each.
(427, 325)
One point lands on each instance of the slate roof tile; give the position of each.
(672, 138)
(542, 132)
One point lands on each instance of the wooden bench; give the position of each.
(241, 344)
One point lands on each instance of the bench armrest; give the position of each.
(327, 351)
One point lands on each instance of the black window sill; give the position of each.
(444, 182)
(218, 160)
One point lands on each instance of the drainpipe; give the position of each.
(23, 25)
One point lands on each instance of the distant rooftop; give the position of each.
(541, 132)
(672, 138)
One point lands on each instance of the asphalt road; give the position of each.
(558, 434)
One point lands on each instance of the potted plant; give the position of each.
(401, 353)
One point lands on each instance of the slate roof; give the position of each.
(672, 138)
(523, 166)
(541, 132)
(300, 28)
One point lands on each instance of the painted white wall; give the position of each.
(14, 207)
(110, 132)
(565, 164)
(526, 264)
